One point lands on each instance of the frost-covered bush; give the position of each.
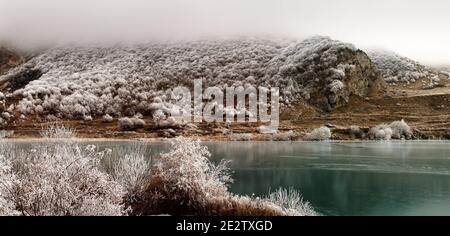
(161, 120)
(240, 136)
(401, 130)
(263, 129)
(336, 86)
(6, 115)
(107, 118)
(7, 180)
(182, 181)
(395, 130)
(131, 166)
(133, 123)
(58, 179)
(58, 131)
(292, 202)
(319, 134)
(380, 132)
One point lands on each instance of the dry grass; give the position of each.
(57, 131)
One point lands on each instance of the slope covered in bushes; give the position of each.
(396, 68)
(86, 82)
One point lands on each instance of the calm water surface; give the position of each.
(342, 178)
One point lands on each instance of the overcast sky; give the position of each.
(419, 29)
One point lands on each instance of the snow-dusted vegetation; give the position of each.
(91, 82)
(57, 179)
(380, 132)
(396, 68)
(58, 131)
(319, 134)
(395, 130)
(70, 179)
(184, 181)
(401, 130)
(133, 123)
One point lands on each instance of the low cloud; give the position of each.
(418, 29)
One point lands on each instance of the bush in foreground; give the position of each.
(185, 182)
(62, 178)
(58, 179)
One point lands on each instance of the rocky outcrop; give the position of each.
(328, 72)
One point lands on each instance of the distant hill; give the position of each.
(84, 82)
(399, 69)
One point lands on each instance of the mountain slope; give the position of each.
(396, 68)
(88, 82)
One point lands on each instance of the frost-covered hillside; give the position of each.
(89, 82)
(396, 68)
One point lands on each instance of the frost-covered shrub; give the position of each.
(280, 203)
(126, 123)
(59, 179)
(182, 181)
(336, 86)
(107, 118)
(6, 115)
(131, 166)
(7, 180)
(380, 132)
(263, 129)
(58, 131)
(319, 134)
(133, 123)
(401, 130)
(240, 136)
(284, 136)
(395, 130)
(291, 202)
